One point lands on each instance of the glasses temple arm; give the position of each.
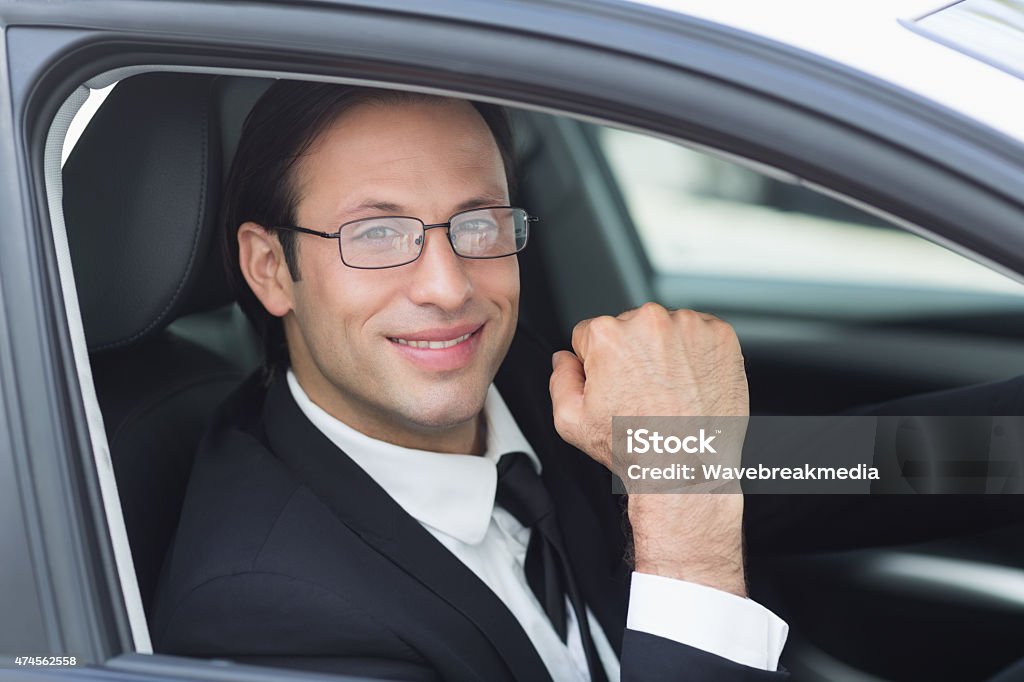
(315, 233)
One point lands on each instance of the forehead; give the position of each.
(406, 144)
(393, 128)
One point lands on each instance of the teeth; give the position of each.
(433, 345)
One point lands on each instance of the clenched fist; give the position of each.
(655, 362)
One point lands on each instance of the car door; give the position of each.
(817, 339)
(625, 65)
(825, 329)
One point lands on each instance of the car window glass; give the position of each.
(700, 217)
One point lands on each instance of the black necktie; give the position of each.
(522, 493)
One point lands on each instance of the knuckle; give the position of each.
(652, 310)
(603, 326)
(556, 417)
(579, 332)
(687, 320)
(721, 326)
(561, 420)
(726, 331)
(685, 315)
(656, 317)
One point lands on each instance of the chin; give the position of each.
(447, 407)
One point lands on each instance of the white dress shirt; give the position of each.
(452, 497)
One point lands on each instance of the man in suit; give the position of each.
(342, 511)
(414, 489)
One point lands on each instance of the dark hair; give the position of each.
(282, 126)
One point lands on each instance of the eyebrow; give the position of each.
(391, 208)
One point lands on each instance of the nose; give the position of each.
(439, 277)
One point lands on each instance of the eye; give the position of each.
(476, 225)
(376, 233)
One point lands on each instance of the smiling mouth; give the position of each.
(433, 345)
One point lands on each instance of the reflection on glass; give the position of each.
(700, 216)
(991, 30)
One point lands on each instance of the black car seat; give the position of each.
(141, 194)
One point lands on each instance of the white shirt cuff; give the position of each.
(718, 622)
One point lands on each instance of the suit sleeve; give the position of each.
(275, 620)
(650, 657)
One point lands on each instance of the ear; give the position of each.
(262, 262)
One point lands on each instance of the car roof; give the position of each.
(879, 38)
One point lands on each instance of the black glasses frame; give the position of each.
(447, 225)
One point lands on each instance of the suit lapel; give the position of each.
(362, 505)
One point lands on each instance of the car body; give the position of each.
(858, 101)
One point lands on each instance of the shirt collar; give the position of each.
(449, 492)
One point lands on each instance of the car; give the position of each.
(840, 181)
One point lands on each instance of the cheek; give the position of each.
(498, 281)
(348, 305)
(335, 300)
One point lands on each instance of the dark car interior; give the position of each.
(167, 345)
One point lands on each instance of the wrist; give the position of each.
(703, 547)
(724, 577)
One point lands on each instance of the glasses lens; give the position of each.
(380, 242)
(490, 232)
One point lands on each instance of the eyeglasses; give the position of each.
(390, 241)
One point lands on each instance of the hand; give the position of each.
(654, 362)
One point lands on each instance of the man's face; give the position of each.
(427, 160)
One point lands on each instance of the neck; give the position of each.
(468, 437)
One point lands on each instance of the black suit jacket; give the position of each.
(289, 554)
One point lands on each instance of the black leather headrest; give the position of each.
(141, 197)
